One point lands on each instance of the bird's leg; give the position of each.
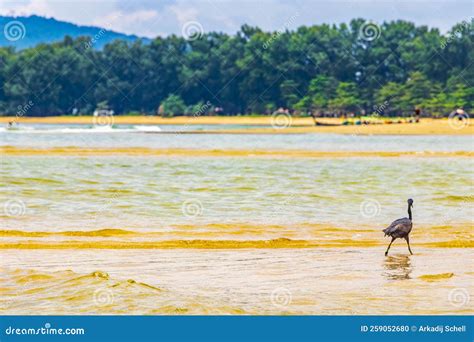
(408, 243)
(386, 252)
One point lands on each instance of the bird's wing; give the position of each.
(402, 225)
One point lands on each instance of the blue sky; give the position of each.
(162, 17)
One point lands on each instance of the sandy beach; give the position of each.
(297, 124)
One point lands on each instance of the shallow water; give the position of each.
(252, 281)
(151, 193)
(152, 136)
(237, 234)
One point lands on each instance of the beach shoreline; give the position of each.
(297, 125)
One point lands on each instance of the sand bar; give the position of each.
(142, 151)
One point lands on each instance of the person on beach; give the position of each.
(417, 114)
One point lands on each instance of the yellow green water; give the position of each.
(229, 224)
(355, 280)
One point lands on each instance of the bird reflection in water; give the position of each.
(397, 267)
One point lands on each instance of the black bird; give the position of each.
(401, 228)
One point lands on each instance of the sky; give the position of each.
(150, 18)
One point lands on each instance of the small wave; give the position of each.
(17, 129)
(456, 198)
(64, 292)
(187, 244)
(91, 129)
(143, 128)
(451, 244)
(67, 292)
(89, 233)
(212, 244)
(435, 277)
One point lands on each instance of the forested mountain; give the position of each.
(24, 32)
(358, 67)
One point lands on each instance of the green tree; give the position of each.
(462, 96)
(320, 91)
(317, 68)
(346, 99)
(439, 105)
(417, 90)
(173, 105)
(391, 94)
(289, 93)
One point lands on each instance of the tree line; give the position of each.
(325, 69)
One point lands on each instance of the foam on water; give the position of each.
(72, 130)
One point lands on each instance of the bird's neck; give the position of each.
(409, 212)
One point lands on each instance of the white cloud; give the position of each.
(142, 21)
(150, 17)
(40, 7)
(184, 13)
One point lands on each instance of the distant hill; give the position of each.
(24, 32)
